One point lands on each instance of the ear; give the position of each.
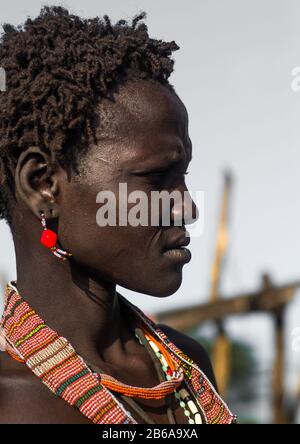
(36, 182)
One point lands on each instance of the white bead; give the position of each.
(192, 407)
(163, 360)
(154, 346)
(198, 419)
(183, 393)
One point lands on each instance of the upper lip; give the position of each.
(180, 241)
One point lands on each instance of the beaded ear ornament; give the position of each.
(49, 240)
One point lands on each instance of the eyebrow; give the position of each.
(189, 150)
(182, 154)
(174, 159)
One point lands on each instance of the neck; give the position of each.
(76, 305)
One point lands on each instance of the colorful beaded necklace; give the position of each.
(183, 397)
(53, 359)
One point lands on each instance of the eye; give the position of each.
(164, 177)
(166, 171)
(181, 173)
(154, 173)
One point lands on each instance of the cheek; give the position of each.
(110, 249)
(126, 255)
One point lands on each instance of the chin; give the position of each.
(163, 286)
(159, 282)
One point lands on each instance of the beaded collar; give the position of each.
(53, 359)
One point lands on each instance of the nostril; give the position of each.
(195, 213)
(191, 212)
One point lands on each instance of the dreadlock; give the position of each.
(58, 68)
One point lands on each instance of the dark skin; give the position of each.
(149, 149)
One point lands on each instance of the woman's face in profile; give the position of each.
(145, 146)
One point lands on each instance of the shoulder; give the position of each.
(192, 348)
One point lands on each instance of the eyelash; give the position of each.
(156, 177)
(161, 173)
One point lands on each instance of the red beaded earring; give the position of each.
(49, 239)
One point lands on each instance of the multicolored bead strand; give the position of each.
(184, 399)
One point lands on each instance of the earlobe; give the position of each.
(35, 182)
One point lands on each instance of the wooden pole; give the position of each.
(221, 354)
(278, 370)
(221, 243)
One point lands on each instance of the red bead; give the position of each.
(48, 238)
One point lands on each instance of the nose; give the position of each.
(184, 210)
(191, 211)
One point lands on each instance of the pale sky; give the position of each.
(233, 72)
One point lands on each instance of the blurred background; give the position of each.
(239, 295)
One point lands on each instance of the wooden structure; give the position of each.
(272, 300)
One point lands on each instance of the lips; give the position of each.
(179, 242)
(178, 255)
(176, 249)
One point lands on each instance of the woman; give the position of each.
(88, 106)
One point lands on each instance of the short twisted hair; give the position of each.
(58, 68)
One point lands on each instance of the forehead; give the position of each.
(149, 121)
(150, 107)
